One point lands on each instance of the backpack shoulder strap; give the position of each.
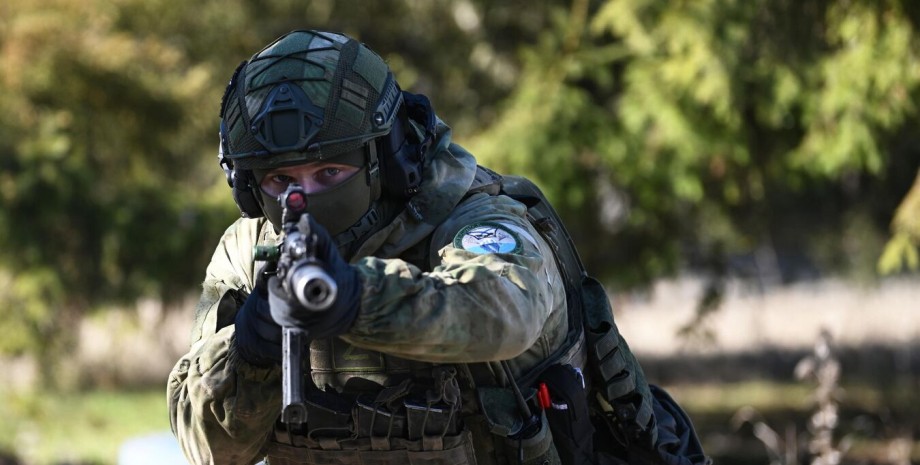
(593, 342)
(546, 221)
(616, 381)
(487, 181)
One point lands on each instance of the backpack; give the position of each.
(611, 414)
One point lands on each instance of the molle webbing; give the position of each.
(457, 450)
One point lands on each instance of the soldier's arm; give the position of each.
(221, 408)
(473, 306)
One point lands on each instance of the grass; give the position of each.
(716, 398)
(88, 427)
(867, 417)
(722, 398)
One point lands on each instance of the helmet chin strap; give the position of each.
(372, 161)
(365, 225)
(371, 217)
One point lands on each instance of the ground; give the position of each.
(745, 371)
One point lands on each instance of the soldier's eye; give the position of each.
(282, 179)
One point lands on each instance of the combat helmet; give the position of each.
(310, 96)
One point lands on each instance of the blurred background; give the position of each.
(742, 175)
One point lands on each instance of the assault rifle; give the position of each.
(303, 278)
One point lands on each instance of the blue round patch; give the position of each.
(487, 237)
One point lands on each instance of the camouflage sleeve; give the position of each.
(221, 408)
(489, 297)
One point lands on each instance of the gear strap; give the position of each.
(617, 377)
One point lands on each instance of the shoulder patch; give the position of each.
(488, 237)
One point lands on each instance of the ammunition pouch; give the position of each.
(396, 426)
(527, 441)
(568, 414)
(538, 449)
(291, 450)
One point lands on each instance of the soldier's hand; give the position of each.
(336, 320)
(258, 337)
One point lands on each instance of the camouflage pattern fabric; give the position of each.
(347, 85)
(466, 305)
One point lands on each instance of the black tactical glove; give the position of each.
(258, 337)
(338, 318)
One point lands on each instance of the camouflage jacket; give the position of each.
(452, 303)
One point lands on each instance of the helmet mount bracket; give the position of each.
(288, 121)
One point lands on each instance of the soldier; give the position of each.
(451, 305)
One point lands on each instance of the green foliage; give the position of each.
(108, 185)
(669, 134)
(901, 252)
(722, 125)
(102, 161)
(26, 316)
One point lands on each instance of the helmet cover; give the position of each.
(307, 96)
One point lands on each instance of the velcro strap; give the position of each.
(644, 413)
(612, 366)
(606, 343)
(622, 384)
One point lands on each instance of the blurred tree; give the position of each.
(462, 53)
(103, 199)
(901, 251)
(707, 133)
(694, 133)
(108, 185)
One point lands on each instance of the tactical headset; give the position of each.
(400, 152)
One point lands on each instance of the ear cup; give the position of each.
(401, 168)
(245, 197)
(418, 108)
(401, 153)
(240, 182)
